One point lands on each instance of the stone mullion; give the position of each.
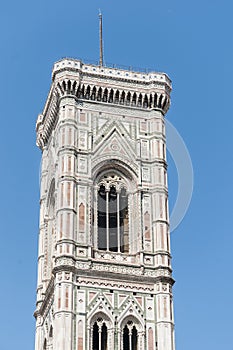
(100, 333)
(130, 339)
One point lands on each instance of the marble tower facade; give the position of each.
(104, 263)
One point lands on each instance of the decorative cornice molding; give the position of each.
(46, 121)
(104, 72)
(101, 85)
(113, 271)
(129, 96)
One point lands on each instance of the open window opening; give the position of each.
(100, 336)
(113, 220)
(130, 337)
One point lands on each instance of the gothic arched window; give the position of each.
(126, 338)
(113, 231)
(130, 337)
(100, 336)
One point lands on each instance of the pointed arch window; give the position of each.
(112, 215)
(117, 96)
(105, 97)
(99, 96)
(110, 100)
(93, 95)
(100, 336)
(130, 337)
(140, 100)
(122, 100)
(134, 99)
(128, 99)
(87, 95)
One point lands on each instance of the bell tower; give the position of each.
(104, 263)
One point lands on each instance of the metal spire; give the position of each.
(101, 38)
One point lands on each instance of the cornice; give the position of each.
(115, 271)
(106, 72)
(129, 93)
(47, 120)
(116, 277)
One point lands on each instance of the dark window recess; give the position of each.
(130, 338)
(113, 231)
(96, 344)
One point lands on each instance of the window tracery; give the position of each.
(100, 335)
(112, 214)
(130, 336)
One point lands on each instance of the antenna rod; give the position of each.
(101, 39)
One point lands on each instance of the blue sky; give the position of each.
(192, 42)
